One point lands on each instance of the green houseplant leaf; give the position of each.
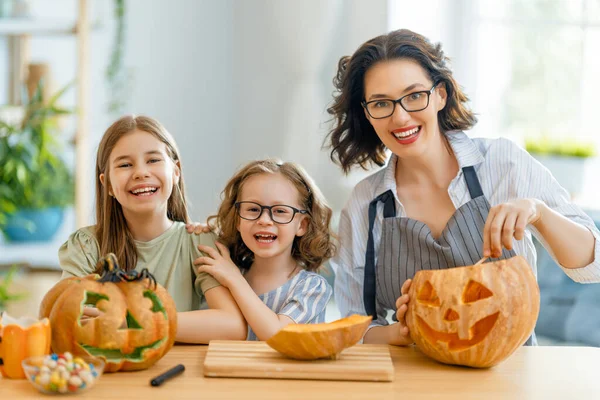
(564, 148)
(5, 295)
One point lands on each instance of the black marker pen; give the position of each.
(173, 372)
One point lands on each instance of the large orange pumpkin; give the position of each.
(325, 340)
(137, 324)
(476, 315)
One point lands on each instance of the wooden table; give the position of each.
(530, 373)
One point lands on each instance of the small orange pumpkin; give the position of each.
(137, 322)
(476, 315)
(19, 339)
(325, 340)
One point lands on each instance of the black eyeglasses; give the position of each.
(383, 108)
(280, 214)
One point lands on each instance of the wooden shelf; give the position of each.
(38, 254)
(37, 27)
(32, 26)
(19, 32)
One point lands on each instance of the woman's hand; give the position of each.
(403, 338)
(197, 228)
(509, 220)
(219, 265)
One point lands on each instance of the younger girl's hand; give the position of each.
(219, 265)
(197, 228)
(403, 338)
(506, 221)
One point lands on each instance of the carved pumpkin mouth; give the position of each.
(117, 356)
(478, 331)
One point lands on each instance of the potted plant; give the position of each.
(5, 295)
(564, 158)
(35, 183)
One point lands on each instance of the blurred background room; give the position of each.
(236, 80)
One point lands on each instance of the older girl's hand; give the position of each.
(219, 265)
(509, 220)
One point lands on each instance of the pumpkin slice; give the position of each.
(325, 340)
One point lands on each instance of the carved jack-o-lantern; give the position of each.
(475, 316)
(136, 324)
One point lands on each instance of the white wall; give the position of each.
(449, 22)
(282, 97)
(220, 75)
(181, 53)
(225, 78)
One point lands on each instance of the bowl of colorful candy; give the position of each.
(62, 373)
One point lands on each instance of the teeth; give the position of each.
(142, 190)
(263, 238)
(400, 135)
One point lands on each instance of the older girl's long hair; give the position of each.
(353, 141)
(310, 250)
(112, 232)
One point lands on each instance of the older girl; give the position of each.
(141, 213)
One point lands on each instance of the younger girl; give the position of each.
(140, 216)
(274, 233)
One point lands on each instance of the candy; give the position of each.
(75, 381)
(64, 373)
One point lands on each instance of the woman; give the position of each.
(448, 200)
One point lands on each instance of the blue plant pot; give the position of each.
(30, 225)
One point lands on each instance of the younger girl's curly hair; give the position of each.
(310, 250)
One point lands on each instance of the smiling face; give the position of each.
(478, 331)
(142, 174)
(474, 315)
(136, 326)
(406, 134)
(265, 238)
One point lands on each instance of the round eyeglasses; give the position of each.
(280, 214)
(412, 102)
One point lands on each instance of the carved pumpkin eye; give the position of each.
(92, 299)
(131, 322)
(475, 291)
(427, 295)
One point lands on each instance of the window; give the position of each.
(530, 67)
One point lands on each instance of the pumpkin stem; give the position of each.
(111, 272)
(107, 263)
(109, 266)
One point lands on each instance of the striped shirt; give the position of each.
(303, 298)
(505, 171)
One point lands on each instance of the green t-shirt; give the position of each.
(169, 257)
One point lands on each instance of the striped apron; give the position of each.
(408, 246)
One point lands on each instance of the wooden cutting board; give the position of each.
(241, 359)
